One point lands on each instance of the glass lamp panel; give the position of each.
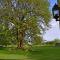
(56, 12)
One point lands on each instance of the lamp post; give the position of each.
(56, 13)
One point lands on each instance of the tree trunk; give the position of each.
(20, 39)
(20, 44)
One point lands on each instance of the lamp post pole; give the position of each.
(58, 1)
(59, 22)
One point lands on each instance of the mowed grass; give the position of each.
(36, 53)
(45, 53)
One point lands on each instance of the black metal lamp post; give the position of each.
(56, 14)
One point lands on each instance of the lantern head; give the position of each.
(55, 11)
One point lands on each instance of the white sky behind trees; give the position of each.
(54, 32)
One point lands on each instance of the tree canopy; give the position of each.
(23, 14)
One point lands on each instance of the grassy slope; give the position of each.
(37, 53)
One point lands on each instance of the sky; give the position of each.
(52, 2)
(54, 31)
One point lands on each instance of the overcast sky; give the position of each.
(54, 31)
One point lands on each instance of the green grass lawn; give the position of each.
(36, 53)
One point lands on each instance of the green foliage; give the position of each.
(24, 17)
(58, 1)
(37, 40)
(38, 7)
(6, 35)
